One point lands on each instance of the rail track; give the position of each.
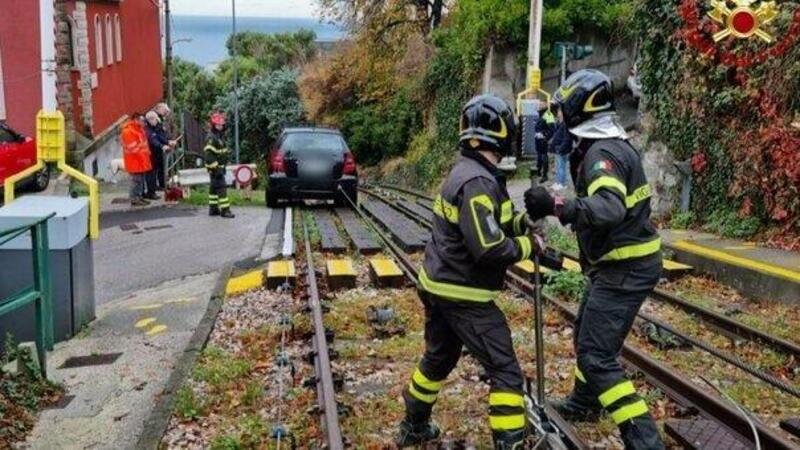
(728, 324)
(715, 416)
(326, 393)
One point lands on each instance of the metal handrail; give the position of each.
(22, 229)
(39, 293)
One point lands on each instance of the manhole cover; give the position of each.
(158, 227)
(99, 359)
(128, 227)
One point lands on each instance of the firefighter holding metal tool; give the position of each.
(476, 235)
(620, 252)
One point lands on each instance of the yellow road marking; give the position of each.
(280, 269)
(156, 330)
(246, 282)
(385, 268)
(146, 307)
(180, 301)
(341, 267)
(572, 265)
(672, 265)
(770, 269)
(145, 322)
(528, 267)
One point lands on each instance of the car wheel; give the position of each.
(41, 180)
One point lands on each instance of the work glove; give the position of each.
(539, 203)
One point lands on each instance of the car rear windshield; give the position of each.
(313, 142)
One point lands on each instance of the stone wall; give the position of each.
(503, 75)
(662, 174)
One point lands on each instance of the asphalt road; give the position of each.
(142, 249)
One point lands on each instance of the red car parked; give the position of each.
(17, 153)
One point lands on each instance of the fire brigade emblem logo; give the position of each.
(743, 20)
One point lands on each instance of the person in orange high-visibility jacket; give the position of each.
(136, 154)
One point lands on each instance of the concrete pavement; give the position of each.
(140, 249)
(147, 333)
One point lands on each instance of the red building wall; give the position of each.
(135, 83)
(20, 47)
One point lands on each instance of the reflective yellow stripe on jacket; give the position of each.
(445, 210)
(219, 151)
(454, 291)
(633, 251)
(506, 212)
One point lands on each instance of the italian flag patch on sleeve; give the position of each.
(601, 165)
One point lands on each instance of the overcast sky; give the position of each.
(265, 8)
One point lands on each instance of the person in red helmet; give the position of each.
(216, 159)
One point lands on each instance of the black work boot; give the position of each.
(580, 405)
(227, 214)
(411, 434)
(213, 211)
(509, 440)
(641, 433)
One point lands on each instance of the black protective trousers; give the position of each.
(605, 317)
(483, 330)
(542, 159)
(218, 192)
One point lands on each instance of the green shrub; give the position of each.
(729, 224)
(565, 284)
(188, 405)
(562, 240)
(217, 367)
(682, 221)
(226, 442)
(267, 104)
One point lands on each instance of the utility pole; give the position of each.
(168, 47)
(535, 46)
(235, 85)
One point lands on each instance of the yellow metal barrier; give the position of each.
(51, 148)
(534, 87)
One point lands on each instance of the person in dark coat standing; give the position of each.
(159, 144)
(545, 127)
(561, 145)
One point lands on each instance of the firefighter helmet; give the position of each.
(217, 118)
(584, 95)
(487, 123)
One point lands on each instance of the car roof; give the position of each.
(311, 130)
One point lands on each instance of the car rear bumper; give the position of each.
(297, 189)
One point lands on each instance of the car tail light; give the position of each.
(349, 164)
(277, 162)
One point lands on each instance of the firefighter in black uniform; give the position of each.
(619, 250)
(476, 235)
(216, 159)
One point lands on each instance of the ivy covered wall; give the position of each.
(732, 109)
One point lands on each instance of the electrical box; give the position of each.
(71, 265)
(529, 115)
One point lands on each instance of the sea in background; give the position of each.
(208, 34)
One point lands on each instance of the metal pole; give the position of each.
(563, 63)
(535, 45)
(168, 58)
(235, 86)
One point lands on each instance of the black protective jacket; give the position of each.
(476, 234)
(611, 214)
(217, 153)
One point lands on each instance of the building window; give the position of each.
(73, 42)
(109, 41)
(118, 37)
(98, 41)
